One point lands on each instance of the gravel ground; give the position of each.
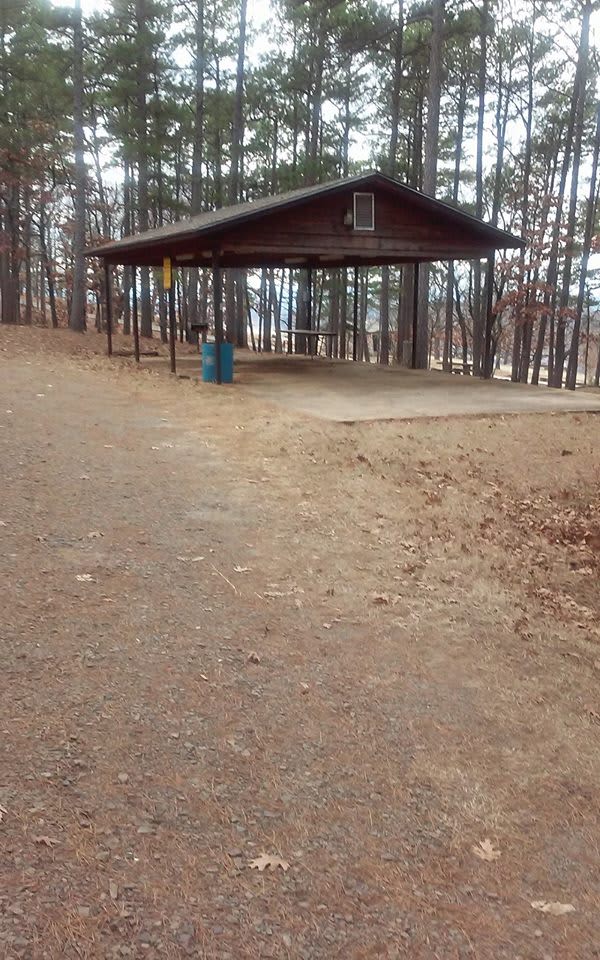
(232, 632)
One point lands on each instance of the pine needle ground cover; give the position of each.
(277, 687)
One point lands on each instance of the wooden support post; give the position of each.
(136, 325)
(218, 310)
(489, 320)
(169, 289)
(172, 328)
(415, 317)
(309, 318)
(108, 294)
(355, 315)
(290, 308)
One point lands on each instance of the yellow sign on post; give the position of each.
(167, 273)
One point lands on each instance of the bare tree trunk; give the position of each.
(27, 245)
(551, 294)
(276, 301)
(197, 157)
(363, 349)
(585, 257)
(384, 326)
(143, 195)
(462, 323)
(477, 312)
(127, 229)
(315, 95)
(77, 318)
(234, 333)
(523, 335)
(432, 132)
(47, 266)
(579, 101)
(238, 112)
(449, 319)
(267, 304)
(541, 335)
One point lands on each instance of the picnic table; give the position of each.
(324, 334)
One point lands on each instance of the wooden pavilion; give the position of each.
(366, 220)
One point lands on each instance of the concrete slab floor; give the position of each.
(344, 391)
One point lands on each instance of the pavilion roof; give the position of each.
(193, 241)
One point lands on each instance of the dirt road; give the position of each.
(231, 632)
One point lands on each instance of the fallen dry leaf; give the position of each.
(113, 889)
(381, 598)
(554, 908)
(239, 569)
(485, 850)
(3, 812)
(265, 860)
(46, 841)
(253, 657)
(85, 578)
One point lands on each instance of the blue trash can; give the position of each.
(209, 365)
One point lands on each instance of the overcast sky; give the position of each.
(257, 9)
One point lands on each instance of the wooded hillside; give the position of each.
(146, 111)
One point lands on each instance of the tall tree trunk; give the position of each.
(363, 349)
(449, 318)
(143, 194)
(477, 311)
(237, 140)
(267, 308)
(127, 229)
(544, 316)
(585, 257)
(197, 156)
(432, 133)
(316, 95)
(234, 334)
(28, 253)
(346, 122)
(384, 310)
(77, 318)
(579, 88)
(523, 322)
(47, 265)
(343, 323)
(551, 295)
